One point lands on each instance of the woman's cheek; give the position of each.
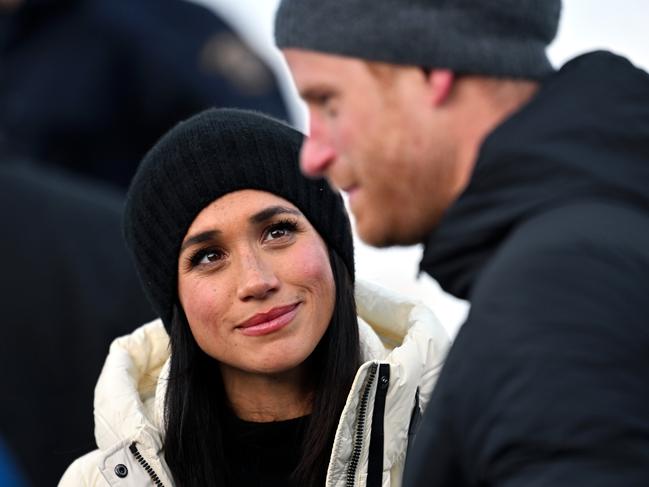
(310, 265)
(202, 302)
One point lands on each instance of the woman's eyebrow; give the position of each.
(271, 211)
(259, 217)
(200, 238)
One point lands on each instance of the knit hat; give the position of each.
(203, 158)
(505, 38)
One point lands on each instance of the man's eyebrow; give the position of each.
(271, 211)
(200, 238)
(316, 94)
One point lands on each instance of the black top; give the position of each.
(546, 383)
(262, 454)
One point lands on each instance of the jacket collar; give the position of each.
(584, 135)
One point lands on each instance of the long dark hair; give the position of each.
(194, 442)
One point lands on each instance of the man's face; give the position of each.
(374, 135)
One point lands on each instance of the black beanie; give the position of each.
(505, 38)
(203, 158)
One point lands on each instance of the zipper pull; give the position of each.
(384, 382)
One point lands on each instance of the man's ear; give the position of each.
(440, 84)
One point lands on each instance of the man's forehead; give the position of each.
(300, 55)
(309, 67)
(313, 63)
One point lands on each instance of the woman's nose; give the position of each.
(257, 278)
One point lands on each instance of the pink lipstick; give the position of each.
(269, 322)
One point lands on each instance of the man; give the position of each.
(446, 124)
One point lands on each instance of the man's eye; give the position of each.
(322, 100)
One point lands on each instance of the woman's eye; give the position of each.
(205, 257)
(280, 230)
(209, 257)
(277, 233)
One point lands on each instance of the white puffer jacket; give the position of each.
(403, 348)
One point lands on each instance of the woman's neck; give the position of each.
(265, 398)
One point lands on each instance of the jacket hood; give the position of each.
(585, 135)
(129, 396)
(405, 334)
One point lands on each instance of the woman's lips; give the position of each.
(273, 320)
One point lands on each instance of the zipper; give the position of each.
(413, 427)
(140, 459)
(377, 437)
(360, 427)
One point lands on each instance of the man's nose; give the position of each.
(317, 153)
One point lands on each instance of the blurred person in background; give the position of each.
(271, 365)
(90, 85)
(67, 288)
(446, 124)
(87, 86)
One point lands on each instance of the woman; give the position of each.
(259, 372)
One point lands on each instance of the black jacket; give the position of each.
(90, 85)
(67, 288)
(547, 383)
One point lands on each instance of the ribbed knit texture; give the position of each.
(207, 156)
(505, 38)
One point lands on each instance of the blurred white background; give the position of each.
(585, 25)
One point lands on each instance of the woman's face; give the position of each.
(255, 282)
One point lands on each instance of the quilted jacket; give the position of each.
(402, 344)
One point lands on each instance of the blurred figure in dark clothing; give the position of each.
(9, 474)
(67, 288)
(91, 84)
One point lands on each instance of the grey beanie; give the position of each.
(505, 38)
(214, 153)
